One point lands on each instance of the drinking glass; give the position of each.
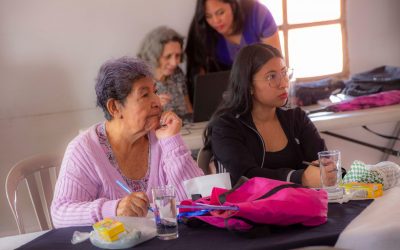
(331, 173)
(165, 212)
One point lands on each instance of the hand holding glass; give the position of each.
(331, 174)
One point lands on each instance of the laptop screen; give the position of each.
(208, 90)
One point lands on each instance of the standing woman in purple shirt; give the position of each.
(220, 28)
(137, 145)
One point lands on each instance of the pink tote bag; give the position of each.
(263, 201)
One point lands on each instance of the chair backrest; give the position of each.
(204, 161)
(41, 188)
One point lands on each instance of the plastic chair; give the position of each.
(40, 188)
(204, 161)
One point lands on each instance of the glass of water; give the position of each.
(331, 174)
(165, 212)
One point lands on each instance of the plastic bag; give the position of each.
(138, 230)
(387, 173)
(128, 239)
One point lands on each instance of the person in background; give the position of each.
(163, 49)
(137, 145)
(220, 28)
(251, 135)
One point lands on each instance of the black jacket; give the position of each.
(237, 145)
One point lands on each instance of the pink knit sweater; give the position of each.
(86, 191)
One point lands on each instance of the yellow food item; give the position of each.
(109, 229)
(364, 190)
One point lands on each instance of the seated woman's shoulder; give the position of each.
(85, 138)
(226, 119)
(293, 113)
(296, 110)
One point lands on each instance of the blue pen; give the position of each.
(129, 192)
(123, 187)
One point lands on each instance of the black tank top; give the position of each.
(285, 158)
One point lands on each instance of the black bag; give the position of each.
(377, 80)
(311, 92)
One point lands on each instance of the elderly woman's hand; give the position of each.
(170, 125)
(135, 204)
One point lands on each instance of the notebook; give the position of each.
(208, 90)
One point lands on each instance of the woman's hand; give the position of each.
(311, 177)
(135, 204)
(330, 174)
(164, 99)
(170, 125)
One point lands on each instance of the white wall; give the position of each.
(50, 52)
(373, 40)
(373, 33)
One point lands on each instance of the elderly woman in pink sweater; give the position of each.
(137, 145)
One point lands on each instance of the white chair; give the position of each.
(41, 188)
(204, 161)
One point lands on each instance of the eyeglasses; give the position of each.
(274, 79)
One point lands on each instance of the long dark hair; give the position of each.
(238, 100)
(202, 39)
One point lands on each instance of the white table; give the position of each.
(12, 242)
(377, 227)
(324, 121)
(330, 121)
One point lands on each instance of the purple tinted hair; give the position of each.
(116, 78)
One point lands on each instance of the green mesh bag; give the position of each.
(387, 173)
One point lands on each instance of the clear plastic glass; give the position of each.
(165, 212)
(331, 173)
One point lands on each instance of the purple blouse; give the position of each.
(258, 24)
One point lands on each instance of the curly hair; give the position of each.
(116, 78)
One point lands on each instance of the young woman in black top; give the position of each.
(251, 135)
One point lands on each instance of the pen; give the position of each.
(126, 189)
(310, 163)
(209, 207)
(123, 187)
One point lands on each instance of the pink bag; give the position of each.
(263, 201)
(368, 101)
(381, 99)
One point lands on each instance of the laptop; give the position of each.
(208, 90)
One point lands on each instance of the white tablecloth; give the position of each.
(377, 227)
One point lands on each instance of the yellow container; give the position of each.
(364, 190)
(109, 229)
